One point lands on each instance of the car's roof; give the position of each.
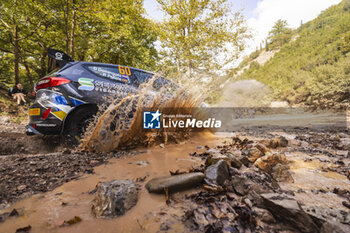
(98, 63)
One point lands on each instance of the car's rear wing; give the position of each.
(57, 59)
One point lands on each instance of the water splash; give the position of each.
(119, 124)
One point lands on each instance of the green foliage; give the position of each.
(313, 68)
(254, 55)
(346, 5)
(113, 31)
(280, 34)
(195, 32)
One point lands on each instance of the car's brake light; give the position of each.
(45, 114)
(50, 82)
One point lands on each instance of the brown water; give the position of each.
(44, 212)
(311, 175)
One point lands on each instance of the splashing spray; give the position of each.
(119, 125)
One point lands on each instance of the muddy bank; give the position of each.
(24, 175)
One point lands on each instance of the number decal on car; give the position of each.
(124, 70)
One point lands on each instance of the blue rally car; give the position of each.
(69, 96)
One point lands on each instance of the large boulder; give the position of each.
(218, 172)
(288, 211)
(114, 198)
(174, 183)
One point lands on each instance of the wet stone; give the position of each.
(288, 211)
(267, 162)
(174, 183)
(281, 173)
(218, 172)
(214, 158)
(253, 154)
(114, 198)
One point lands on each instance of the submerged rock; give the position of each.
(174, 183)
(114, 198)
(218, 172)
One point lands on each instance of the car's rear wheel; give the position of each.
(78, 122)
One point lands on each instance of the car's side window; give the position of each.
(117, 73)
(141, 76)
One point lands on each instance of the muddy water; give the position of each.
(311, 177)
(45, 212)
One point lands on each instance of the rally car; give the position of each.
(69, 96)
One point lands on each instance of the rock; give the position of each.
(242, 186)
(262, 148)
(267, 162)
(334, 227)
(304, 144)
(276, 142)
(288, 211)
(114, 198)
(346, 204)
(4, 120)
(245, 161)
(234, 161)
(21, 187)
(216, 157)
(142, 163)
(294, 142)
(24, 229)
(344, 143)
(264, 215)
(281, 174)
(253, 154)
(212, 151)
(174, 183)
(218, 172)
(161, 145)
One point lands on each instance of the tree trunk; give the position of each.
(189, 68)
(16, 55)
(66, 21)
(28, 73)
(71, 40)
(178, 64)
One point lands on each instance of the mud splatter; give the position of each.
(120, 124)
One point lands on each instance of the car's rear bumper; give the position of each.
(31, 131)
(41, 124)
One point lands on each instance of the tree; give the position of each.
(280, 33)
(16, 19)
(113, 31)
(123, 35)
(201, 34)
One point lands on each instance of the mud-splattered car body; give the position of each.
(75, 89)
